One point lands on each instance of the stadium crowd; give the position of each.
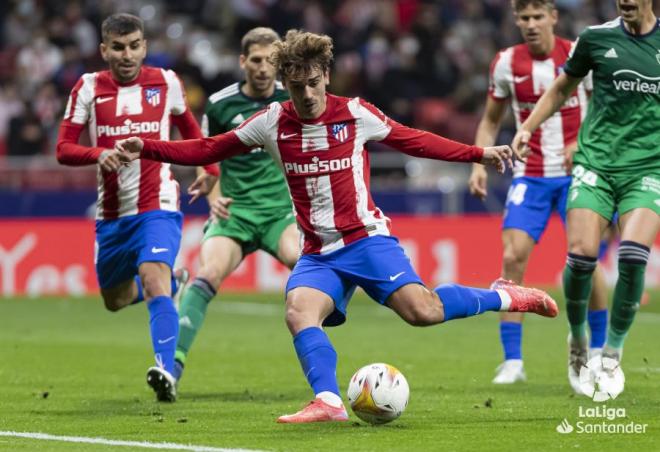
(422, 61)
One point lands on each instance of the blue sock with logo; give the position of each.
(318, 359)
(164, 324)
(511, 337)
(461, 301)
(598, 325)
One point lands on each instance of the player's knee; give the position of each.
(114, 304)
(211, 274)
(420, 313)
(154, 286)
(513, 259)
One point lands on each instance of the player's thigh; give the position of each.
(219, 257)
(417, 305)
(640, 225)
(288, 250)
(317, 272)
(115, 249)
(639, 206)
(378, 265)
(584, 228)
(280, 237)
(529, 205)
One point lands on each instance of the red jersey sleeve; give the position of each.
(202, 151)
(415, 142)
(189, 129)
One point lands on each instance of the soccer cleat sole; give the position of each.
(165, 389)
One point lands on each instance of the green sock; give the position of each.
(577, 289)
(191, 315)
(627, 294)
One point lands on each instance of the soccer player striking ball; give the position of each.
(522, 73)
(319, 140)
(616, 167)
(254, 211)
(138, 223)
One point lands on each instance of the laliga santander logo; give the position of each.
(602, 379)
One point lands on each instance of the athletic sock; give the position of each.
(318, 359)
(598, 327)
(192, 312)
(577, 288)
(511, 337)
(461, 301)
(628, 290)
(164, 323)
(140, 292)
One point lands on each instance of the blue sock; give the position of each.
(511, 337)
(461, 301)
(140, 294)
(164, 323)
(318, 359)
(598, 326)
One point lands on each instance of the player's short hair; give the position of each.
(121, 24)
(519, 5)
(301, 52)
(262, 36)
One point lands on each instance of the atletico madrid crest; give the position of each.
(153, 96)
(340, 132)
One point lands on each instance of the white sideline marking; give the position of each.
(113, 442)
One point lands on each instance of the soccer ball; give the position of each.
(378, 393)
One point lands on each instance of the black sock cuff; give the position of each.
(205, 286)
(582, 264)
(633, 253)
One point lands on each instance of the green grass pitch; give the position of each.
(68, 367)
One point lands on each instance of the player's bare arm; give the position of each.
(489, 127)
(548, 104)
(129, 149)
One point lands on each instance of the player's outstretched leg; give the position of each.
(164, 325)
(461, 301)
(319, 363)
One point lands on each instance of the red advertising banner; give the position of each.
(39, 257)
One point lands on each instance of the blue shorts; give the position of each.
(377, 264)
(531, 200)
(125, 243)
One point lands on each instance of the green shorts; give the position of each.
(252, 229)
(608, 193)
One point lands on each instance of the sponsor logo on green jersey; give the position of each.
(641, 84)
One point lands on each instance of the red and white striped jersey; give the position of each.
(324, 160)
(112, 111)
(523, 77)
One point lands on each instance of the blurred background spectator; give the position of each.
(425, 63)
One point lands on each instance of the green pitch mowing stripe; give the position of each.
(112, 442)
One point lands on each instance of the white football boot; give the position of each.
(578, 356)
(509, 372)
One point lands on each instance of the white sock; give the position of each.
(330, 398)
(505, 298)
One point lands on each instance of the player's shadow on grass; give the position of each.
(239, 396)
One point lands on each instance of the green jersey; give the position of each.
(621, 131)
(253, 180)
